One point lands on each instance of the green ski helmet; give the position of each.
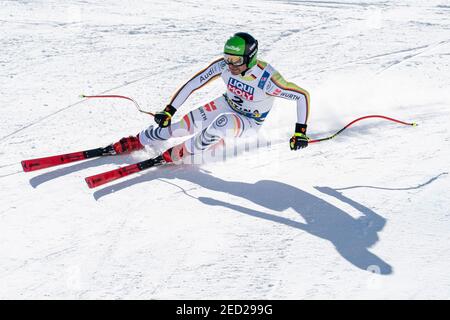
(244, 45)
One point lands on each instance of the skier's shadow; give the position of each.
(351, 237)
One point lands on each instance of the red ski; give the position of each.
(42, 163)
(105, 177)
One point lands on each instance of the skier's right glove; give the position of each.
(299, 140)
(163, 118)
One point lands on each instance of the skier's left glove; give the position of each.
(163, 118)
(299, 140)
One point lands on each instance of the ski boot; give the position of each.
(127, 145)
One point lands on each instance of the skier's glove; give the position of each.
(163, 118)
(299, 140)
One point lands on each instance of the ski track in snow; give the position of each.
(364, 215)
(408, 57)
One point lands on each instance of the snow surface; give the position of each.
(363, 216)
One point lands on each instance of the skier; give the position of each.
(251, 86)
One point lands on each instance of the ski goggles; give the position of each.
(234, 60)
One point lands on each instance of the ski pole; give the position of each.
(121, 97)
(359, 119)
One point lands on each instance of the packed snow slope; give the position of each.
(365, 215)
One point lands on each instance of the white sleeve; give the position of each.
(211, 72)
(279, 87)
